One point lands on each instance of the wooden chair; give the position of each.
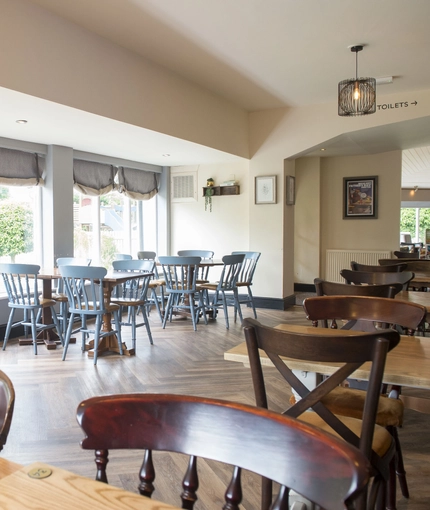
(158, 283)
(180, 274)
(133, 295)
(7, 403)
(20, 281)
(325, 288)
(225, 292)
(203, 271)
(84, 289)
(349, 351)
(246, 276)
(388, 268)
(370, 278)
(321, 467)
(362, 313)
(407, 254)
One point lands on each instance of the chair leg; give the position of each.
(8, 327)
(147, 326)
(251, 299)
(399, 465)
(57, 325)
(117, 320)
(33, 330)
(237, 304)
(98, 326)
(68, 335)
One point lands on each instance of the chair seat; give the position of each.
(47, 302)
(350, 401)
(62, 298)
(128, 301)
(209, 286)
(382, 439)
(243, 284)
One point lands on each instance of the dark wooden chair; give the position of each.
(351, 352)
(388, 268)
(325, 288)
(367, 314)
(370, 278)
(7, 403)
(258, 440)
(407, 254)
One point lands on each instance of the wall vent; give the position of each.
(184, 187)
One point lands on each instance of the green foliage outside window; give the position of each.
(408, 222)
(16, 229)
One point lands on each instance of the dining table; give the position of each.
(407, 365)
(42, 486)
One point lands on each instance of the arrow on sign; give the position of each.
(415, 103)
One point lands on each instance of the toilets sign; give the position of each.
(394, 106)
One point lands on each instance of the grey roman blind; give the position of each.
(138, 184)
(19, 168)
(92, 178)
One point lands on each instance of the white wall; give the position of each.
(223, 230)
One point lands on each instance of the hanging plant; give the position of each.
(208, 198)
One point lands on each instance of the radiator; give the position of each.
(341, 259)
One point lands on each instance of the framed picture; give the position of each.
(290, 191)
(360, 197)
(265, 189)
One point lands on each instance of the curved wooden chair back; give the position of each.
(369, 278)
(285, 349)
(258, 440)
(7, 403)
(325, 288)
(389, 268)
(407, 254)
(362, 312)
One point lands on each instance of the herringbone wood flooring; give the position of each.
(181, 361)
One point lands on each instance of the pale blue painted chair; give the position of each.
(225, 291)
(158, 283)
(133, 294)
(20, 281)
(246, 276)
(84, 288)
(203, 271)
(180, 274)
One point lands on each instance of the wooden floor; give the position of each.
(181, 361)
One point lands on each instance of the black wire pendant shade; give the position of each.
(356, 96)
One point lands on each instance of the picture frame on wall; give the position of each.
(265, 189)
(290, 190)
(360, 197)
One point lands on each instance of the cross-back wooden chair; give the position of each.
(133, 294)
(362, 313)
(7, 404)
(285, 349)
(371, 278)
(321, 467)
(388, 268)
(21, 284)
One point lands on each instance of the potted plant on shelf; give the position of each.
(209, 191)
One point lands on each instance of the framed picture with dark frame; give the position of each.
(360, 197)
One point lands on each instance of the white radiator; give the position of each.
(341, 259)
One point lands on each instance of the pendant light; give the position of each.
(356, 96)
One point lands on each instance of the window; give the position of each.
(112, 223)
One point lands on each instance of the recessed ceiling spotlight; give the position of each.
(21, 121)
(166, 155)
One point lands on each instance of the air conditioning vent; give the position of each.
(184, 187)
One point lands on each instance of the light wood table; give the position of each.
(413, 296)
(63, 490)
(408, 364)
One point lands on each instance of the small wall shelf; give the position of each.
(223, 190)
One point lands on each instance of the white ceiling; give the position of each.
(259, 54)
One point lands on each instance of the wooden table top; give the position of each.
(66, 491)
(412, 296)
(408, 364)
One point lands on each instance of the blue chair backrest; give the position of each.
(20, 281)
(230, 271)
(123, 256)
(204, 254)
(84, 288)
(73, 261)
(146, 266)
(248, 266)
(177, 271)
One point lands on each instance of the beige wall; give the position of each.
(360, 234)
(48, 57)
(307, 224)
(223, 230)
